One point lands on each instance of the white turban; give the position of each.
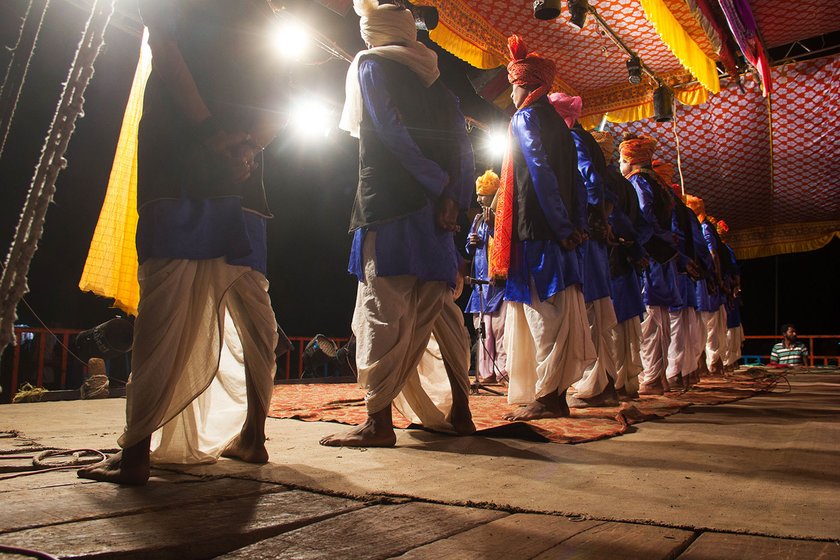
(381, 26)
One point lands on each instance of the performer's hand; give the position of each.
(446, 214)
(643, 263)
(692, 270)
(473, 239)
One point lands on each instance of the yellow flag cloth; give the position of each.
(111, 266)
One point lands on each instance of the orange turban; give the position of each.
(697, 205)
(665, 171)
(487, 184)
(637, 150)
(529, 69)
(606, 142)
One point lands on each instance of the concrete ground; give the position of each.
(752, 479)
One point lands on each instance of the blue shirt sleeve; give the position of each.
(394, 135)
(592, 179)
(526, 130)
(648, 225)
(462, 169)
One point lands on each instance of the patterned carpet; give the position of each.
(344, 403)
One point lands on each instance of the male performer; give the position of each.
(491, 357)
(713, 308)
(681, 314)
(597, 387)
(660, 288)
(732, 280)
(415, 173)
(626, 257)
(209, 108)
(540, 220)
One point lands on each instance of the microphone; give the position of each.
(475, 281)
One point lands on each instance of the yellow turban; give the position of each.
(487, 184)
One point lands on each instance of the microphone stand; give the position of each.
(477, 385)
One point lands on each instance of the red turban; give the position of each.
(529, 69)
(637, 150)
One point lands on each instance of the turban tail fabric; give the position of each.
(665, 171)
(535, 72)
(391, 33)
(697, 205)
(567, 106)
(606, 142)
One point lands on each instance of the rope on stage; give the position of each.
(13, 285)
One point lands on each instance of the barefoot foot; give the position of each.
(368, 434)
(550, 406)
(118, 470)
(241, 450)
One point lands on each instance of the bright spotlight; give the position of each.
(292, 38)
(312, 118)
(497, 143)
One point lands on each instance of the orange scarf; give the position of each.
(524, 69)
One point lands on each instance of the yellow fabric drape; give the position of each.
(450, 41)
(681, 44)
(644, 110)
(111, 266)
(766, 241)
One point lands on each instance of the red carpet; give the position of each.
(344, 403)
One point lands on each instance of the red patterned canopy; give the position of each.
(761, 163)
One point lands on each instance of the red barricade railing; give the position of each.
(814, 359)
(44, 359)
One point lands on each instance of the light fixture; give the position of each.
(546, 9)
(292, 38)
(497, 143)
(425, 17)
(578, 10)
(663, 104)
(634, 70)
(311, 119)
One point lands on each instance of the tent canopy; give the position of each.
(767, 164)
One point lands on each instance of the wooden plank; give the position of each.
(620, 541)
(376, 532)
(714, 546)
(83, 500)
(519, 536)
(198, 531)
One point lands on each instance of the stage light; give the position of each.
(292, 39)
(546, 9)
(663, 104)
(578, 10)
(497, 143)
(312, 118)
(425, 17)
(634, 70)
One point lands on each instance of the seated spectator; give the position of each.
(789, 352)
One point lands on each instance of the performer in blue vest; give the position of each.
(540, 221)
(415, 176)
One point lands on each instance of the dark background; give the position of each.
(310, 188)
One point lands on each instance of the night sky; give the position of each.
(310, 188)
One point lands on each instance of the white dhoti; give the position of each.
(602, 321)
(656, 337)
(627, 340)
(696, 341)
(734, 341)
(548, 344)
(682, 345)
(393, 321)
(205, 334)
(715, 335)
(491, 355)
